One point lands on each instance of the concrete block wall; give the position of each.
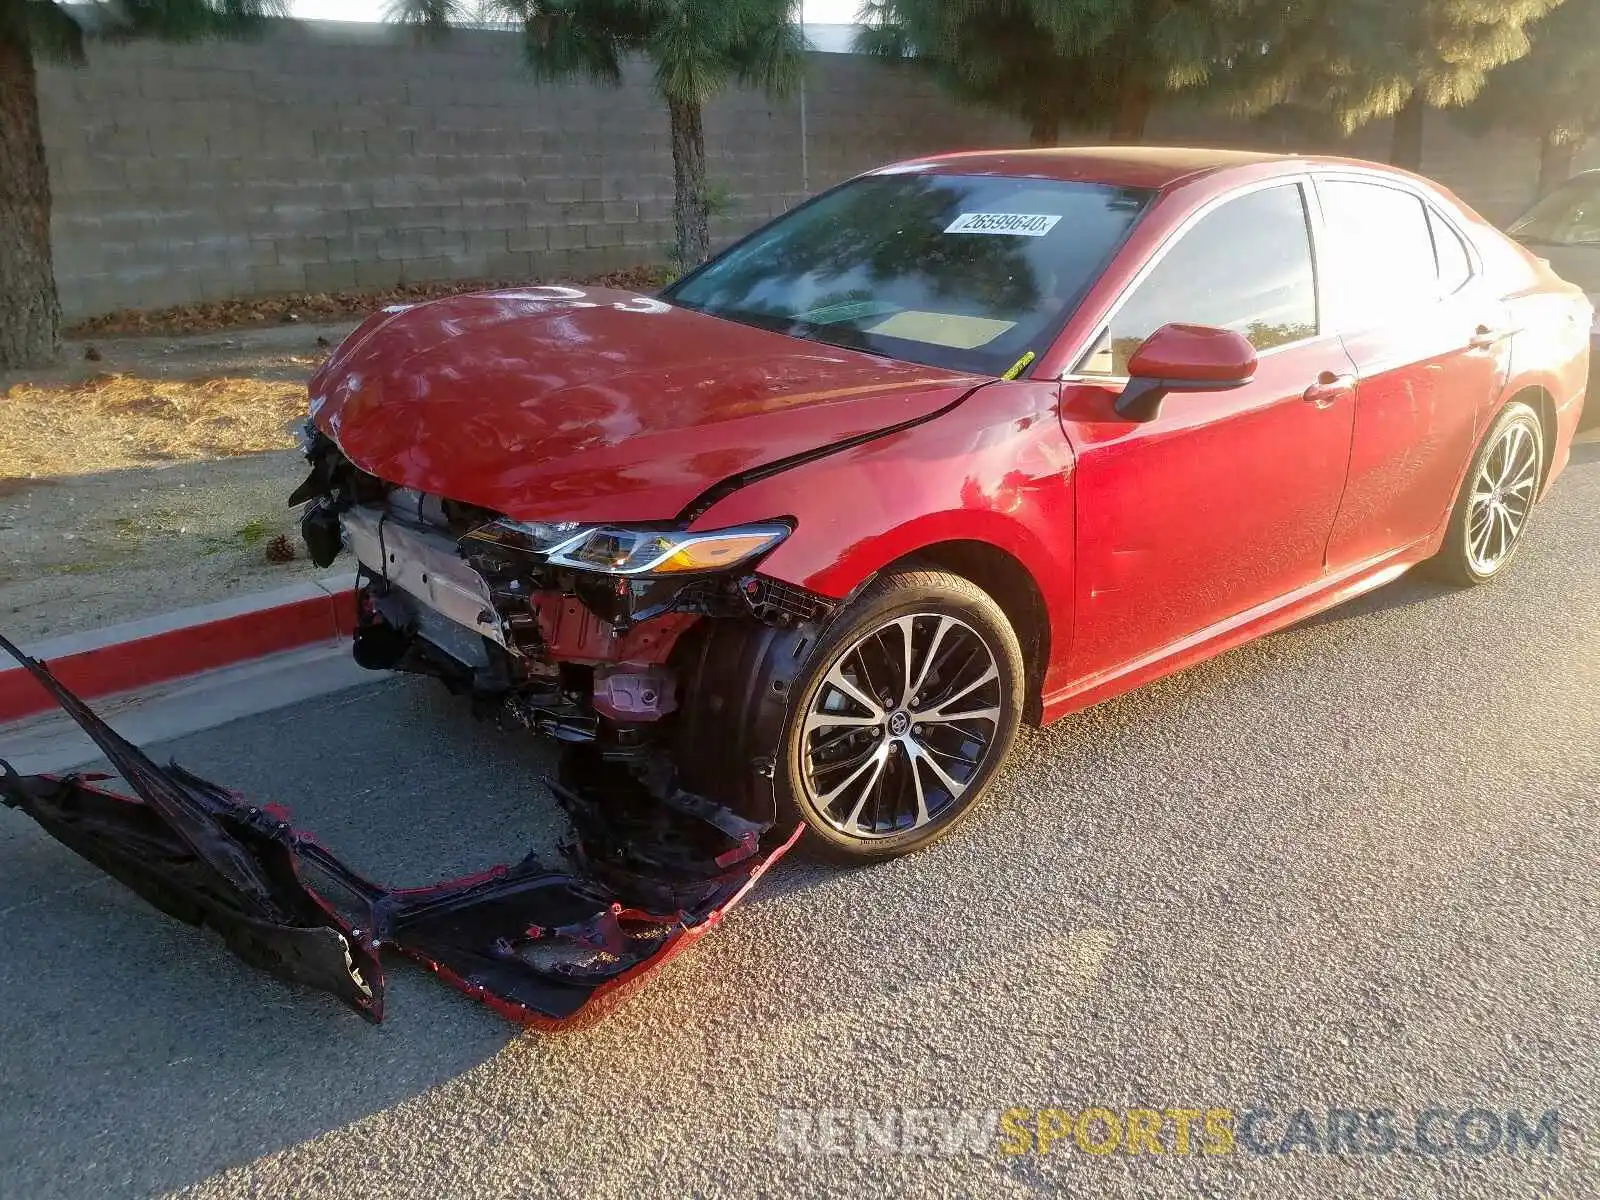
(327, 156)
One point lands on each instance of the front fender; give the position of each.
(997, 469)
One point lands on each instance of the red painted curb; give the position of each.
(185, 650)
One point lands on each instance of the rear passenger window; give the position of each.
(1455, 263)
(1384, 249)
(1244, 266)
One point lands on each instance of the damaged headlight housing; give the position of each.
(305, 433)
(533, 537)
(632, 552)
(612, 550)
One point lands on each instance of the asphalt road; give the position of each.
(1356, 865)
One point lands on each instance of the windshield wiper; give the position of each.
(772, 322)
(842, 336)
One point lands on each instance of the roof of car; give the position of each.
(1125, 166)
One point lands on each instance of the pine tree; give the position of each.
(1052, 62)
(1365, 60)
(698, 48)
(30, 311)
(1553, 94)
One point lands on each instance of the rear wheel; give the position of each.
(903, 714)
(1497, 497)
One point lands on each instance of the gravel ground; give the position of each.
(1350, 866)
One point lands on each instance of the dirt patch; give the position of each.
(111, 422)
(93, 549)
(322, 306)
(11, 485)
(143, 474)
(153, 478)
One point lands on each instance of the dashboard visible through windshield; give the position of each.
(1568, 216)
(972, 273)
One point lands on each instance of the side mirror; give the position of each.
(1184, 358)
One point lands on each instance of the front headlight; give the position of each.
(610, 550)
(619, 550)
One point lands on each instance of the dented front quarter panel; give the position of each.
(995, 469)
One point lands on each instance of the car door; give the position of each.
(1431, 348)
(1224, 501)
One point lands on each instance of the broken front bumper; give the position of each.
(650, 874)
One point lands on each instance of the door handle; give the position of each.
(1329, 389)
(1484, 338)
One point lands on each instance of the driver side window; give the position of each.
(1244, 266)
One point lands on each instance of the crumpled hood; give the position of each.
(596, 405)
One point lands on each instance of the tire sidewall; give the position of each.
(888, 598)
(1460, 558)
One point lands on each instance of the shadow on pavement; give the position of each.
(134, 1031)
(1414, 587)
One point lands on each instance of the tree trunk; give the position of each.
(1044, 129)
(689, 209)
(1134, 102)
(30, 313)
(1555, 161)
(1405, 148)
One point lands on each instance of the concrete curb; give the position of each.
(138, 654)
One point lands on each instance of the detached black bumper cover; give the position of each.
(545, 948)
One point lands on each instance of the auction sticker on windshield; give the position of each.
(1010, 224)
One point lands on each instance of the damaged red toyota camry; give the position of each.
(794, 547)
(967, 441)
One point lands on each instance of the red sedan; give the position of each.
(966, 441)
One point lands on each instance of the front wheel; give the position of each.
(905, 711)
(1497, 497)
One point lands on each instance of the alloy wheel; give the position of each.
(901, 725)
(1502, 497)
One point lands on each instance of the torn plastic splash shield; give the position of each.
(546, 948)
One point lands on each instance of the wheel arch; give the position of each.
(1537, 397)
(1012, 586)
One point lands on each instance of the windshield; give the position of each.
(968, 272)
(1568, 216)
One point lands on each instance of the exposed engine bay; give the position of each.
(570, 631)
(590, 636)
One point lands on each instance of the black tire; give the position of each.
(953, 617)
(1459, 560)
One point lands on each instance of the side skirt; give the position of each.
(1327, 592)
